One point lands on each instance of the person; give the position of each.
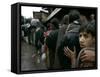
(61, 33)
(69, 39)
(51, 41)
(37, 38)
(83, 19)
(92, 19)
(86, 57)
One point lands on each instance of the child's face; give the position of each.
(86, 40)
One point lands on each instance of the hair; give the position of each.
(55, 22)
(73, 15)
(88, 28)
(65, 20)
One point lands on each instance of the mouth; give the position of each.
(82, 46)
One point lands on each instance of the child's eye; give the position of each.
(86, 36)
(80, 35)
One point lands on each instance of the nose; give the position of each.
(81, 39)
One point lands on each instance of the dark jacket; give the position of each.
(51, 41)
(70, 39)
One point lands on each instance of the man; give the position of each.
(70, 39)
(51, 41)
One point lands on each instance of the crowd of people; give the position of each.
(69, 43)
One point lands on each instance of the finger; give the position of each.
(65, 54)
(82, 58)
(82, 54)
(69, 50)
(66, 51)
(65, 48)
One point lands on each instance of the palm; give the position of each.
(69, 53)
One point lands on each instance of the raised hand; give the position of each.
(87, 55)
(69, 53)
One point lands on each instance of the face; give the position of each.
(86, 40)
(92, 16)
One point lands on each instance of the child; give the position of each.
(86, 57)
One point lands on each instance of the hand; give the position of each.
(88, 55)
(69, 53)
(72, 55)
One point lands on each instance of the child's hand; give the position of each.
(69, 53)
(87, 55)
(72, 55)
